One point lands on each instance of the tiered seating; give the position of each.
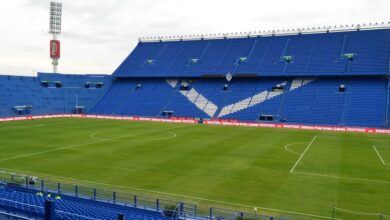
(290, 79)
(320, 102)
(370, 112)
(310, 54)
(304, 100)
(28, 91)
(70, 207)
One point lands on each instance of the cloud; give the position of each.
(99, 34)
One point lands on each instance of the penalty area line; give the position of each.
(169, 194)
(303, 154)
(350, 179)
(380, 157)
(289, 150)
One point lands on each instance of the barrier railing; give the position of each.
(176, 209)
(121, 198)
(275, 32)
(228, 122)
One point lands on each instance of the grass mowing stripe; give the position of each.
(303, 154)
(171, 194)
(85, 144)
(48, 151)
(234, 165)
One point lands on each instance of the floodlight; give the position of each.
(55, 29)
(55, 17)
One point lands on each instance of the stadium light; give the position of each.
(55, 29)
(55, 17)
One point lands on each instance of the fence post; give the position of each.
(12, 178)
(50, 212)
(121, 216)
(211, 213)
(157, 205)
(114, 196)
(181, 208)
(42, 185)
(76, 190)
(135, 201)
(94, 194)
(333, 213)
(59, 188)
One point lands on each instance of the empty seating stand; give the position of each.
(67, 207)
(42, 95)
(304, 100)
(289, 79)
(310, 54)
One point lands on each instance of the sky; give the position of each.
(97, 35)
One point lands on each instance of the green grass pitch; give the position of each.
(283, 172)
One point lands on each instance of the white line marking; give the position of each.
(22, 126)
(342, 177)
(48, 151)
(368, 138)
(173, 194)
(361, 213)
(172, 135)
(304, 152)
(380, 157)
(92, 136)
(85, 144)
(291, 151)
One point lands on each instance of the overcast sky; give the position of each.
(99, 34)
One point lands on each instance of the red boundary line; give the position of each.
(211, 122)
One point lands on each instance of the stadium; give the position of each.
(289, 124)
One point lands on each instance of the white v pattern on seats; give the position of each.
(196, 98)
(261, 97)
(249, 102)
(210, 108)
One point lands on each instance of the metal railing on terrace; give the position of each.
(182, 210)
(278, 32)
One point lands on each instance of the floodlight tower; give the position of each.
(55, 30)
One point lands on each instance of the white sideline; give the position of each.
(172, 194)
(351, 179)
(289, 150)
(172, 135)
(304, 152)
(88, 143)
(360, 213)
(22, 127)
(380, 157)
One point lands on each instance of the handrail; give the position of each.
(283, 32)
(67, 191)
